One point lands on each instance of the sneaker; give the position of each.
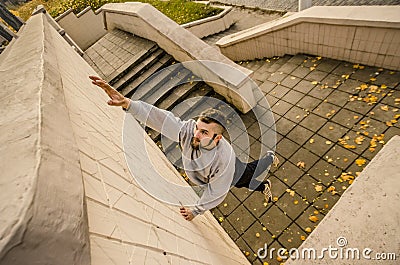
(275, 159)
(267, 190)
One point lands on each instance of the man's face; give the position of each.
(204, 133)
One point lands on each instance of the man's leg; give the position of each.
(249, 175)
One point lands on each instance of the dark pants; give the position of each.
(247, 175)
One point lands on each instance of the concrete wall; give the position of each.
(149, 23)
(367, 216)
(211, 25)
(67, 194)
(43, 218)
(85, 28)
(366, 35)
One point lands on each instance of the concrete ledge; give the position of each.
(211, 25)
(147, 22)
(362, 34)
(85, 28)
(43, 218)
(367, 215)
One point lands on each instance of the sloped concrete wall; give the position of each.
(368, 35)
(43, 219)
(65, 164)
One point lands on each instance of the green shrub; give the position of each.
(181, 11)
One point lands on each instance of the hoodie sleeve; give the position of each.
(217, 189)
(160, 120)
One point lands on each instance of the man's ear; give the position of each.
(218, 137)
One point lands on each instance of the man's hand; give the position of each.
(116, 98)
(187, 214)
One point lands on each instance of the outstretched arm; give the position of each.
(160, 120)
(116, 98)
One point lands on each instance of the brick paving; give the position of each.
(316, 102)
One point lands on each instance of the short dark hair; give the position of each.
(213, 116)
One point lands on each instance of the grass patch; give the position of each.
(181, 11)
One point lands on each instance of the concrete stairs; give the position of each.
(129, 63)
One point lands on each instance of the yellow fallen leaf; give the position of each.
(265, 263)
(348, 146)
(388, 123)
(372, 79)
(257, 234)
(313, 218)
(328, 142)
(264, 228)
(363, 86)
(383, 86)
(247, 253)
(331, 188)
(311, 141)
(296, 202)
(385, 108)
(360, 161)
(331, 128)
(275, 199)
(221, 219)
(314, 82)
(312, 68)
(326, 206)
(291, 193)
(355, 117)
(308, 230)
(359, 139)
(225, 204)
(279, 259)
(318, 188)
(356, 66)
(289, 240)
(301, 164)
(302, 238)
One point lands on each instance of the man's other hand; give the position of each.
(187, 214)
(116, 98)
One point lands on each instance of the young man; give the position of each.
(208, 159)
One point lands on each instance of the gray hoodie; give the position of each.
(213, 169)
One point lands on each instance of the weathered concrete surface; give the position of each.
(42, 197)
(367, 216)
(57, 132)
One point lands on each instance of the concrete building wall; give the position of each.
(366, 35)
(85, 28)
(68, 195)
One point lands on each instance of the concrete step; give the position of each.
(136, 70)
(162, 90)
(131, 87)
(116, 53)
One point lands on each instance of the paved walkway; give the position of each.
(332, 117)
(292, 5)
